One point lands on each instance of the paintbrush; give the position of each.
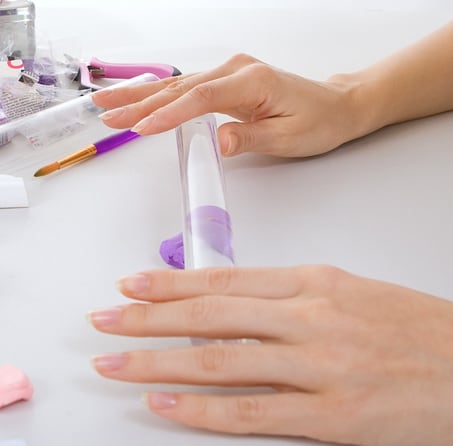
(101, 146)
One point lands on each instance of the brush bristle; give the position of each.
(47, 169)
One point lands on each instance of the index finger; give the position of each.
(119, 97)
(237, 91)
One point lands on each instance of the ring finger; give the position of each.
(215, 364)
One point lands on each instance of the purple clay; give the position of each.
(212, 224)
(172, 251)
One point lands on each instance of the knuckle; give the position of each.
(246, 138)
(202, 92)
(329, 277)
(326, 278)
(241, 59)
(168, 283)
(212, 357)
(202, 310)
(177, 87)
(141, 315)
(263, 72)
(144, 364)
(218, 280)
(248, 411)
(166, 81)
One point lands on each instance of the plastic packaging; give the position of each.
(49, 126)
(17, 29)
(54, 123)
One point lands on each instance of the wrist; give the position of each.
(364, 103)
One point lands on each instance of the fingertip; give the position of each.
(107, 364)
(145, 126)
(105, 319)
(135, 285)
(100, 98)
(145, 400)
(229, 142)
(160, 401)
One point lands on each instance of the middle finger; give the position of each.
(202, 316)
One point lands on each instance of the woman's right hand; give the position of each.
(280, 113)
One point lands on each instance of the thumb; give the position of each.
(261, 136)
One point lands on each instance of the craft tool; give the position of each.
(101, 146)
(98, 69)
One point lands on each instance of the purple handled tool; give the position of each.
(101, 146)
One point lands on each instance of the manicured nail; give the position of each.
(232, 145)
(159, 401)
(112, 114)
(105, 318)
(144, 124)
(103, 93)
(136, 285)
(109, 362)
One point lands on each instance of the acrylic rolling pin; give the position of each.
(207, 232)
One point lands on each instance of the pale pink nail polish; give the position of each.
(136, 285)
(112, 114)
(105, 318)
(110, 362)
(232, 145)
(103, 93)
(143, 124)
(160, 401)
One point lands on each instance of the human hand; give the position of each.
(352, 360)
(282, 114)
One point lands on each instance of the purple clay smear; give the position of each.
(172, 251)
(212, 224)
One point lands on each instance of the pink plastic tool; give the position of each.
(100, 69)
(14, 386)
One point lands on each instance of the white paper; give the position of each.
(12, 192)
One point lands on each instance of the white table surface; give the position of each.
(381, 206)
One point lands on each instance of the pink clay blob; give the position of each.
(14, 385)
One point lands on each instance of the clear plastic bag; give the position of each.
(17, 29)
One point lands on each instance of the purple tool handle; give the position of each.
(109, 143)
(126, 71)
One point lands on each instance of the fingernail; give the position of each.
(160, 401)
(103, 93)
(109, 362)
(104, 318)
(136, 285)
(112, 114)
(144, 124)
(232, 145)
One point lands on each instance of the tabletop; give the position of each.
(380, 206)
